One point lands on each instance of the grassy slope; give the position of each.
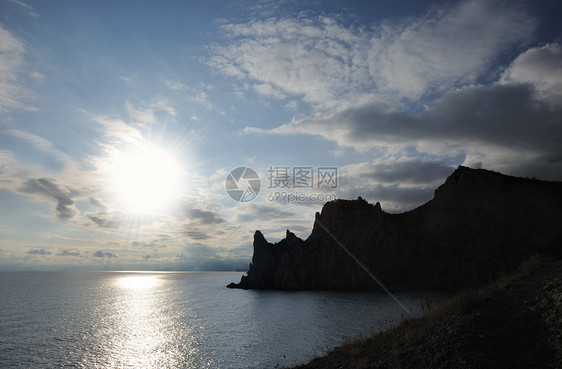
(513, 322)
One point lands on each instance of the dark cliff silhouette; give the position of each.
(479, 224)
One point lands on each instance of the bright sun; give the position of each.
(146, 180)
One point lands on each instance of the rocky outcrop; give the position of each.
(479, 224)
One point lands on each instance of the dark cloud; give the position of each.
(504, 115)
(144, 244)
(267, 212)
(39, 252)
(406, 172)
(398, 185)
(195, 235)
(203, 217)
(96, 203)
(146, 257)
(116, 219)
(68, 253)
(478, 119)
(393, 197)
(101, 254)
(45, 187)
(102, 220)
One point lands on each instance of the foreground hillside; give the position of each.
(514, 322)
(478, 225)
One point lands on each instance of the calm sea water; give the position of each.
(176, 320)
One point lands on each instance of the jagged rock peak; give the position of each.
(346, 205)
(258, 235)
(290, 235)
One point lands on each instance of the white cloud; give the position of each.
(315, 59)
(162, 105)
(448, 47)
(268, 90)
(34, 140)
(540, 67)
(291, 105)
(149, 115)
(117, 131)
(328, 64)
(12, 94)
(143, 116)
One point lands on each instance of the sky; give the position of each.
(160, 135)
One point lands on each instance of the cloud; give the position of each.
(117, 131)
(32, 139)
(101, 254)
(504, 126)
(450, 46)
(268, 90)
(114, 219)
(143, 116)
(328, 64)
(150, 114)
(97, 203)
(398, 183)
(291, 105)
(30, 10)
(264, 212)
(408, 172)
(201, 216)
(143, 244)
(314, 58)
(12, 93)
(39, 252)
(48, 188)
(540, 67)
(105, 220)
(196, 235)
(69, 253)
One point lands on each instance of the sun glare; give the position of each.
(145, 180)
(138, 282)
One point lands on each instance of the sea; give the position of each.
(179, 320)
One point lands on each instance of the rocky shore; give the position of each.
(513, 322)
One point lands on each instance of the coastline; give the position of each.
(514, 321)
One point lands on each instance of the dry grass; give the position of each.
(402, 344)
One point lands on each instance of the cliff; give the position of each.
(478, 225)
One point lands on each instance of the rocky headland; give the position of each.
(478, 225)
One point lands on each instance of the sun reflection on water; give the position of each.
(144, 332)
(138, 282)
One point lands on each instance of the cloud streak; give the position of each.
(12, 93)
